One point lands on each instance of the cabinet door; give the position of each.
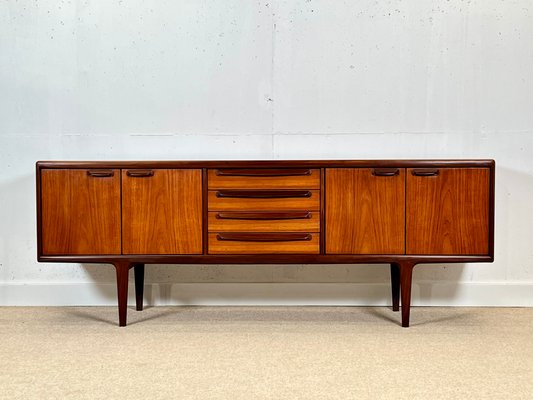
(162, 211)
(80, 211)
(448, 211)
(365, 211)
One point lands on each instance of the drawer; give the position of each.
(264, 243)
(263, 200)
(264, 178)
(265, 221)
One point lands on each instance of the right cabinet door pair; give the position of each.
(415, 211)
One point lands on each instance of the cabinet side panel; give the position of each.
(448, 214)
(80, 213)
(365, 213)
(162, 213)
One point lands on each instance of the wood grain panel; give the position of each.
(80, 213)
(162, 213)
(233, 221)
(311, 203)
(218, 246)
(448, 213)
(365, 214)
(241, 180)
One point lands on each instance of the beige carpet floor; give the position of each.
(266, 353)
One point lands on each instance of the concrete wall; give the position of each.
(293, 79)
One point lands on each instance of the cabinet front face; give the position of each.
(162, 211)
(365, 210)
(448, 211)
(80, 211)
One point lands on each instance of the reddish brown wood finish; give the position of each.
(264, 243)
(395, 286)
(365, 211)
(138, 270)
(406, 279)
(162, 213)
(122, 269)
(401, 264)
(285, 178)
(266, 221)
(80, 212)
(448, 211)
(311, 202)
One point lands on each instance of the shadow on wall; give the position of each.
(358, 284)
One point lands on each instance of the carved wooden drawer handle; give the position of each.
(140, 173)
(425, 172)
(264, 237)
(385, 171)
(101, 173)
(270, 216)
(263, 172)
(263, 194)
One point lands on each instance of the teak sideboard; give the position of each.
(398, 212)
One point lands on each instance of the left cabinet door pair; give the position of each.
(128, 211)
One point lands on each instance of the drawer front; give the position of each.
(263, 178)
(266, 221)
(264, 243)
(263, 200)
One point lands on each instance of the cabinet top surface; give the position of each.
(267, 163)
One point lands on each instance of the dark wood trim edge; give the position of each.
(265, 259)
(39, 210)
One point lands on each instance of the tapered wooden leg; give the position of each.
(406, 277)
(138, 269)
(122, 269)
(395, 286)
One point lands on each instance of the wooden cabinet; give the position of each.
(162, 211)
(80, 211)
(365, 210)
(398, 212)
(448, 211)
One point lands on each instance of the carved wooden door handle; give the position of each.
(385, 171)
(425, 172)
(100, 173)
(145, 173)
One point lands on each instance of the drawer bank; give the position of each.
(397, 212)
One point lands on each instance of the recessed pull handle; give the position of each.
(264, 237)
(144, 173)
(263, 172)
(263, 194)
(385, 171)
(264, 216)
(425, 172)
(100, 173)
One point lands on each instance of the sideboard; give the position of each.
(397, 212)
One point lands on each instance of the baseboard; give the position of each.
(266, 294)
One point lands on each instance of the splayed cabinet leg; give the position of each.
(406, 277)
(138, 269)
(122, 270)
(395, 286)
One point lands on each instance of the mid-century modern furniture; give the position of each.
(398, 212)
